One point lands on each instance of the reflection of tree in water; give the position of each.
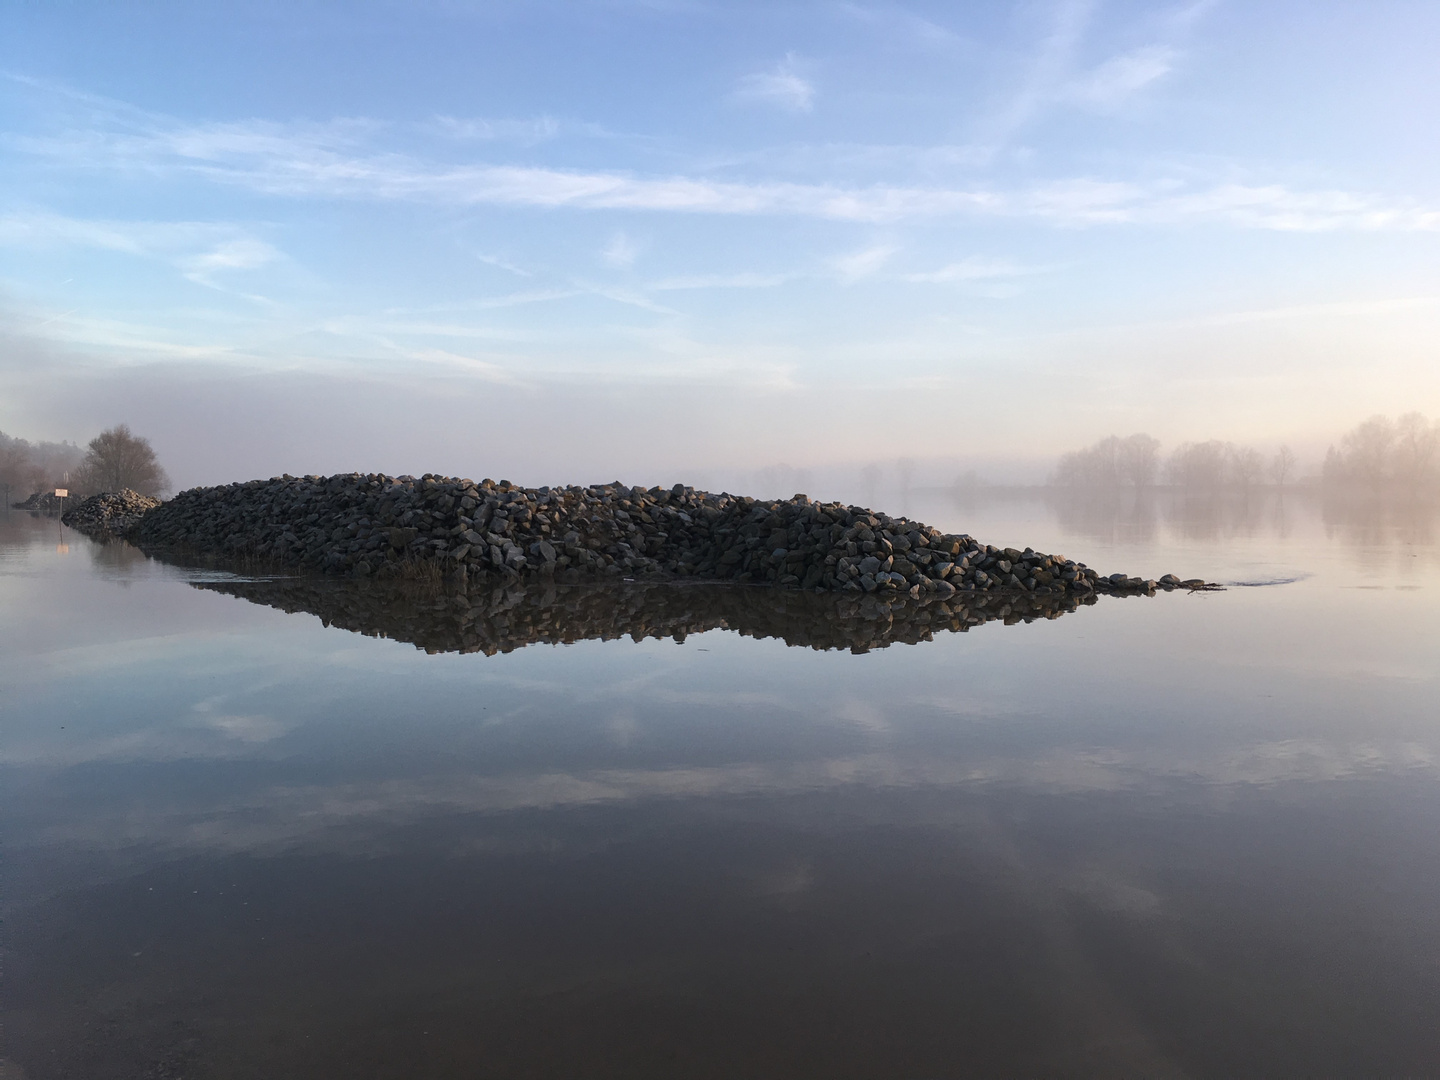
(1218, 515)
(1134, 516)
(507, 618)
(1112, 515)
(116, 555)
(1406, 527)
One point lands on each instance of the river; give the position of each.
(274, 828)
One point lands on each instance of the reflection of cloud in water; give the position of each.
(864, 715)
(159, 743)
(1109, 893)
(785, 885)
(623, 726)
(251, 729)
(328, 815)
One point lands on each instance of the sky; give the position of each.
(661, 241)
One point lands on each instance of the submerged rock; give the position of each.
(365, 525)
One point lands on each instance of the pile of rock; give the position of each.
(109, 513)
(43, 502)
(508, 617)
(373, 524)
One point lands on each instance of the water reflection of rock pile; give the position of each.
(504, 619)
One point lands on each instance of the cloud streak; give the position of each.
(972, 269)
(783, 88)
(862, 264)
(296, 163)
(1118, 78)
(338, 159)
(199, 250)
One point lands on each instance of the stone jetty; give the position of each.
(373, 525)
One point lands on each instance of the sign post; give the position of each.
(62, 547)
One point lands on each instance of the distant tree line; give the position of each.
(115, 459)
(1378, 454)
(27, 467)
(1111, 463)
(1135, 462)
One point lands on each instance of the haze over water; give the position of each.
(1180, 835)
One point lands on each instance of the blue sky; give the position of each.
(659, 239)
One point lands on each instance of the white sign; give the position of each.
(61, 493)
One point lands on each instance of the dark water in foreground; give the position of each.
(1192, 835)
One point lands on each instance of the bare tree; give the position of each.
(870, 475)
(1365, 450)
(118, 459)
(1413, 456)
(1110, 463)
(1137, 461)
(1199, 465)
(1381, 452)
(906, 468)
(1093, 467)
(1282, 466)
(1246, 465)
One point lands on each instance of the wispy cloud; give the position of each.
(628, 297)
(336, 160)
(971, 269)
(621, 252)
(908, 27)
(1071, 202)
(242, 254)
(782, 88)
(1047, 71)
(722, 281)
(503, 264)
(1118, 78)
(863, 263)
(505, 300)
(527, 132)
(1055, 76)
(41, 229)
(200, 250)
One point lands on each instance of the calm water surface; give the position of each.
(1193, 835)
